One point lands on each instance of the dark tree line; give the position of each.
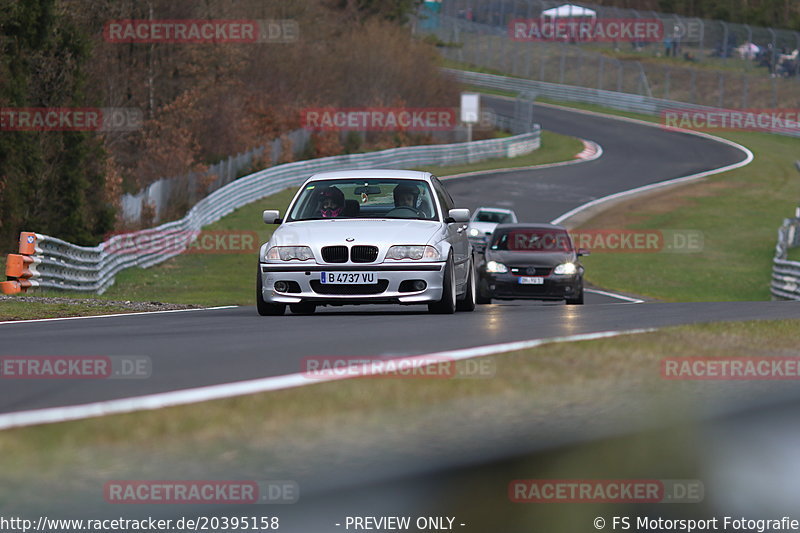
(201, 102)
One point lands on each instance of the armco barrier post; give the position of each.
(21, 267)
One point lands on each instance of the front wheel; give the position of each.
(482, 296)
(578, 300)
(468, 302)
(447, 305)
(264, 308)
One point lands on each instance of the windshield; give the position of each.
(532, 240)
(494, 217)
(364, 198)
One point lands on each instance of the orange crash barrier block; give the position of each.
(27, 243)
(17, 266)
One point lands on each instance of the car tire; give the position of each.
(578, 300)
(482, 295)
(264, 308)
(468, 302)
(303, 308)
(447, 305)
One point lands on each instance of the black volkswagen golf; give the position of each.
(531, 261)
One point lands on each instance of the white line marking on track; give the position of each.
(240, 388)
(116, 314)
(615, 295)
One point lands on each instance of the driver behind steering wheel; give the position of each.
(406, 195)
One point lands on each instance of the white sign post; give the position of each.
(470, 111)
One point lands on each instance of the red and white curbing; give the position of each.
(590, 151)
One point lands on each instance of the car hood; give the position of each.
(486, 227)
(379, 232)
(543, 259)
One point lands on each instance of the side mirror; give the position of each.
(583, 251)
(272, 216)
(457, 215)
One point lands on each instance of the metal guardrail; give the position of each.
(48, 262)
(569, 93)
(786, 274)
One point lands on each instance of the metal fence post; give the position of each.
(721, 89)
(667, 78)
(745, 90)
(772, 64)
(774, 92)
(600, 72)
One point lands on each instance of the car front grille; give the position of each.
(349, 290)
(531, 271)
(363, 254)
(334, 254)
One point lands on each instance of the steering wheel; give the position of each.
(402, 208)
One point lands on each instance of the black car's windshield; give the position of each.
(365, 198)
(532, 240)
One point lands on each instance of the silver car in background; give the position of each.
(483, 222)
(367, 237)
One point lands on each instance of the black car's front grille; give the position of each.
(334, 254)
(363, 254)
(350, 290)
(531, 271)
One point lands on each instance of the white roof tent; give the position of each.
(569, 11)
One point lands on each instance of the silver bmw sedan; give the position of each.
(367, 237)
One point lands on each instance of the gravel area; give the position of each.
(99, 304)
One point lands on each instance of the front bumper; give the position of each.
(308, 289)
(555, 287)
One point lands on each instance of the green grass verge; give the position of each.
(229, 279)
(350, 424)
(24, 310)
(555, 148)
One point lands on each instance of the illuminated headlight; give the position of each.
(474, 232)
(497, 268)
(566, 268)
(288, 253)
(428, 253)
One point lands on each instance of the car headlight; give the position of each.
(287, 253)
(397, 253)
(474, 232)
(497, 268)
(566, 268)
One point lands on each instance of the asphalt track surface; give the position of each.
(196, 348)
